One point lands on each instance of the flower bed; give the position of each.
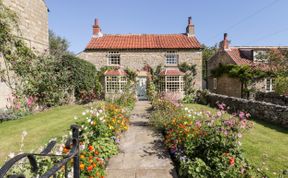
(100, 132)
(99, 135)
(204, 144)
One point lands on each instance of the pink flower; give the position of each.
(18, 105)
(30, 101)
(222, 106)
(248, 115)
(198, 124)
(242, 115)
(219, 113)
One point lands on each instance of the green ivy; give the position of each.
(190, 73)
(244, 72)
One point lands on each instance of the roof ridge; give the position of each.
(143, 34)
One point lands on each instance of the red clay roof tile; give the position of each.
(171, 72)
(234, 53)
(149, 41)
(115, 72)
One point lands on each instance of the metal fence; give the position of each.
(72, 143)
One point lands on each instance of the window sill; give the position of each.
(171, 65)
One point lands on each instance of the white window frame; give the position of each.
(269, 84)
(114, 58)
(172, 83)
(171, 58)
(115, 84)
(257, 53)
(215, 83)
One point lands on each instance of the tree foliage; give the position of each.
(58, 46)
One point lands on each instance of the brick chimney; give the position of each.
(225, 43)
(190, 29)
(96, 29)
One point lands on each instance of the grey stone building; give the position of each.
(135, 51)
(253, 56)
(33, 29)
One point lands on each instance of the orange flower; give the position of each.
(96, 152)
(91, 148)
(89, 168)
(65, 150)
(82, 166)
(82, 156)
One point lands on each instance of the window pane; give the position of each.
(115, 84)
(113, 58)
(171, 57)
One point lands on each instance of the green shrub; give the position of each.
(83, 77)
(281, 85)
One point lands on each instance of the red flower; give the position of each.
(89, 168)
(232, 161)
(91, 148)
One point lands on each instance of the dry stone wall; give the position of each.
(272, 98)
(268, 112)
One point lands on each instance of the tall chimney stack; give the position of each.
(225, 42)
(190, 29)
(96, 29)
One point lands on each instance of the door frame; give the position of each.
(144, 97)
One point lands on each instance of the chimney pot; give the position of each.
(225, 43)
(97, 29)
(190, 29)
(190, 20)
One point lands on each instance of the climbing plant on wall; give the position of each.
(190, 73)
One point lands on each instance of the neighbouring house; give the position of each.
(33, 29)
(253, 56)
(135, 51)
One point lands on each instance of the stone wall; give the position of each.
(33, 29)
(33, 22)
(136, 59)
(272, 98)
(268, 112)
(226, 86)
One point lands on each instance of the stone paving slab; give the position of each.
(142, 153)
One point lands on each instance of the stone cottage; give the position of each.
(254, 56)
(33, 29)
(135, 51)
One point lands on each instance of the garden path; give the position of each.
(142, 153)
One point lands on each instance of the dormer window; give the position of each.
(260, 56)
(171, 58)
(113, 58)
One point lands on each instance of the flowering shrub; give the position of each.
(204, 144)
(100, 133)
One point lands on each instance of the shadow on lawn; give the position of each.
(266, 124)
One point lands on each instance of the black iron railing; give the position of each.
(72, 144)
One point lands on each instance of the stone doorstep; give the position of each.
(141, 173)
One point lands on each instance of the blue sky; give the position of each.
(248, 22)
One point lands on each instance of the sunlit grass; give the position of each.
(41, 127)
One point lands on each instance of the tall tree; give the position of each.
(58, 46)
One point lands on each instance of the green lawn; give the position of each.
(41, 127)
(265, 146)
